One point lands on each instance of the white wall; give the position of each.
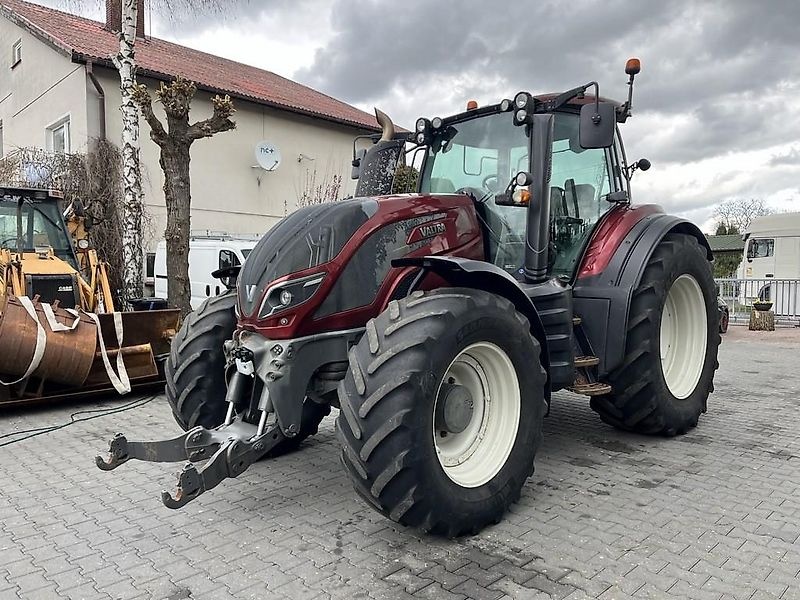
(45, 87)
(228, 194)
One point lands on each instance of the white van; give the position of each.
(772, 251)
(207, 253)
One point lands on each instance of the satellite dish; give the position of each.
(268, 156)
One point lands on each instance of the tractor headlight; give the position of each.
(521, 117)
(436, 122)
(289, 294)
(522, 99)
(420, 138)
(422, 124)
(505, 105)
(83, 244)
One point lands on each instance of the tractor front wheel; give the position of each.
(441, 410)
(663, 384)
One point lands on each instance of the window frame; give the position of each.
(16, 53)
(64, 122)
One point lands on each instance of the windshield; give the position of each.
(42, 225)
(482, 154)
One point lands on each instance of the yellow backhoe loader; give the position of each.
(60, 336)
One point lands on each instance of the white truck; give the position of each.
(770, 267)
(208, 252)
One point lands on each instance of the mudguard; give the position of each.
(464, 272)
(603, 300)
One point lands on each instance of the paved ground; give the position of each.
(714, 514)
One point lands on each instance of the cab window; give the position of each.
(761, 248)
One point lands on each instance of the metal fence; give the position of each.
(739, 295)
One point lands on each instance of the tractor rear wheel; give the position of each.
(441, 410)
(672, 340)
(195, 373)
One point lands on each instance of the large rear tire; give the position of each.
(195, 373)
(672, 341)
(441, 410)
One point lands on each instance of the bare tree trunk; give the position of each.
(132, 209)
(175, 143)
(177, 193)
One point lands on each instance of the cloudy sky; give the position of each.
(716, 109)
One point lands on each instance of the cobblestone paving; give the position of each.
(713, 514)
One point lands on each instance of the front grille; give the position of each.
(50, 288)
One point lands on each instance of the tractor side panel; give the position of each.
(359, 281)
(605, 284)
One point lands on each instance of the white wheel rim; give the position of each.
(684, 326)
(475, 455)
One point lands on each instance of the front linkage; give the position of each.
(232, 449)
(286, 369)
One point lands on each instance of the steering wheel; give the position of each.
(11, 239)
(479, 196)
(490, 183)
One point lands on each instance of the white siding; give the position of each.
(42, 89)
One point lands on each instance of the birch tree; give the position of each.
(175, 142)
(133, 205)
(133, 202)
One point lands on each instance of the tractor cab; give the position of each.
(31, 222)
(480, 153)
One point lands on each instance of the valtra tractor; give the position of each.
(440, 323)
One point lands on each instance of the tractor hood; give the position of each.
(309, 237)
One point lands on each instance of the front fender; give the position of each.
(464, 272)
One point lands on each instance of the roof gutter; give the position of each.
(101, 97)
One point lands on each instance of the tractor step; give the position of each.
(590, 389)
(586, 361)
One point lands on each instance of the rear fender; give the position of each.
(603, 300)
(464, 272)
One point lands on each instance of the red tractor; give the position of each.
(439, 323)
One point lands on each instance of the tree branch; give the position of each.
(220, 121)
(142, 97)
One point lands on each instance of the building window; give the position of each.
(58, 138)
(16, 53)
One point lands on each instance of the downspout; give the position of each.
(102, 97)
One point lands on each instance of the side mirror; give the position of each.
(355, 173)
(597, 124)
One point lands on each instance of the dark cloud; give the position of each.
(790, 158)
(725, 65)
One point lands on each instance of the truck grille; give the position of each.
(50, 288)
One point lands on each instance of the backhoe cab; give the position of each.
(440, 322)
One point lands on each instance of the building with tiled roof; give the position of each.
(727, 251)
(59, 90)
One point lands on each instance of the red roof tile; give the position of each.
(85, 39)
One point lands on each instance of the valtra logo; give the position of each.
(428, 230)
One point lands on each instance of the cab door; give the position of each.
(580, 182)
(760, 257)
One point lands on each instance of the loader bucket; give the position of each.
(72, 366)
(67, 358)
